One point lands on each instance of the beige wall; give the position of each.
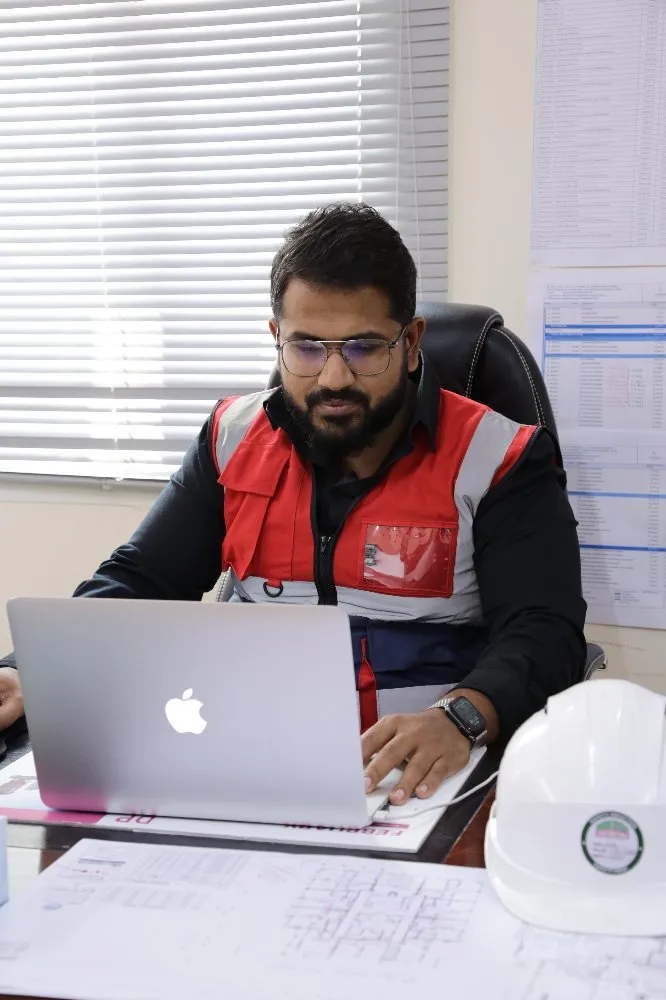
(53, 536)
(490, 143)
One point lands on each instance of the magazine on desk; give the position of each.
(396, 828)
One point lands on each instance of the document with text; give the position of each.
(603, 333)
(599, 177)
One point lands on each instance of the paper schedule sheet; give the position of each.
(599, 192)
(598, 286)
(113, 920)
(604, 360)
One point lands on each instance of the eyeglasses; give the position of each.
(362, 355)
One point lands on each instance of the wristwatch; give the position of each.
(466, 717)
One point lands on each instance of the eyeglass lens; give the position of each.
(364, 356)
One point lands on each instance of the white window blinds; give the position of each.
(152, 153)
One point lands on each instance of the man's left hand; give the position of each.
(430, 743)
(11, 699)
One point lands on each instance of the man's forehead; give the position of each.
(305, 306)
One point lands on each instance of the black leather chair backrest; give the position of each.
(476, 356)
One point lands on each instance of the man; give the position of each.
(442, 528)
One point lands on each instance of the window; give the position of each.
(152, 153)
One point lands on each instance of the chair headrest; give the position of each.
(476, 356)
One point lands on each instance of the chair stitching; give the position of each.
(477, 350)
(535, 394)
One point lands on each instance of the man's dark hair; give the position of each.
(347, 246)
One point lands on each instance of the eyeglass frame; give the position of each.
(327, 344)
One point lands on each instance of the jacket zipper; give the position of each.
(325, 551)
(324, 580)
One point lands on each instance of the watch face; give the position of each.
(468, 715)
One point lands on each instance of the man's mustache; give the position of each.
(348, 395)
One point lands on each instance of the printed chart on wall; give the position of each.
(595, 306)
(599, 176)
(604, 360)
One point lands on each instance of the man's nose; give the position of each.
(335, 374)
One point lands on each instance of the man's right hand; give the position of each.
(11, 698)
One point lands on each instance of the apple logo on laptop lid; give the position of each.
(183, 714)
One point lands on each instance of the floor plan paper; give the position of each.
(131, 920)
(394, 829)
(603, 333)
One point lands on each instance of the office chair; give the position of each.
(475, 355)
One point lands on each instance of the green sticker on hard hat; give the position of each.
(612, 843)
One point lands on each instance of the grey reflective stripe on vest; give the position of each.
(255, 589)
(364, 603)
(235, 422)
(483, 457)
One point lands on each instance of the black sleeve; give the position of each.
(527, 562)
(176, 552)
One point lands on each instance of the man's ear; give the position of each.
(413, 337)
(273, 327)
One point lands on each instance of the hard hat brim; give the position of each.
(559, 906)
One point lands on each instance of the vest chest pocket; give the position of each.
(250, 488)
(409, 559)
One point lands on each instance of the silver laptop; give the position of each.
(207, 711)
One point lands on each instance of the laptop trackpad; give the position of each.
(378, 799)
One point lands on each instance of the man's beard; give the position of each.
(337, 437)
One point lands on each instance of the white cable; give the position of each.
(451, 802)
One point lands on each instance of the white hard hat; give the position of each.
(577, 836)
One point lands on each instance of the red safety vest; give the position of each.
(405, 551)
